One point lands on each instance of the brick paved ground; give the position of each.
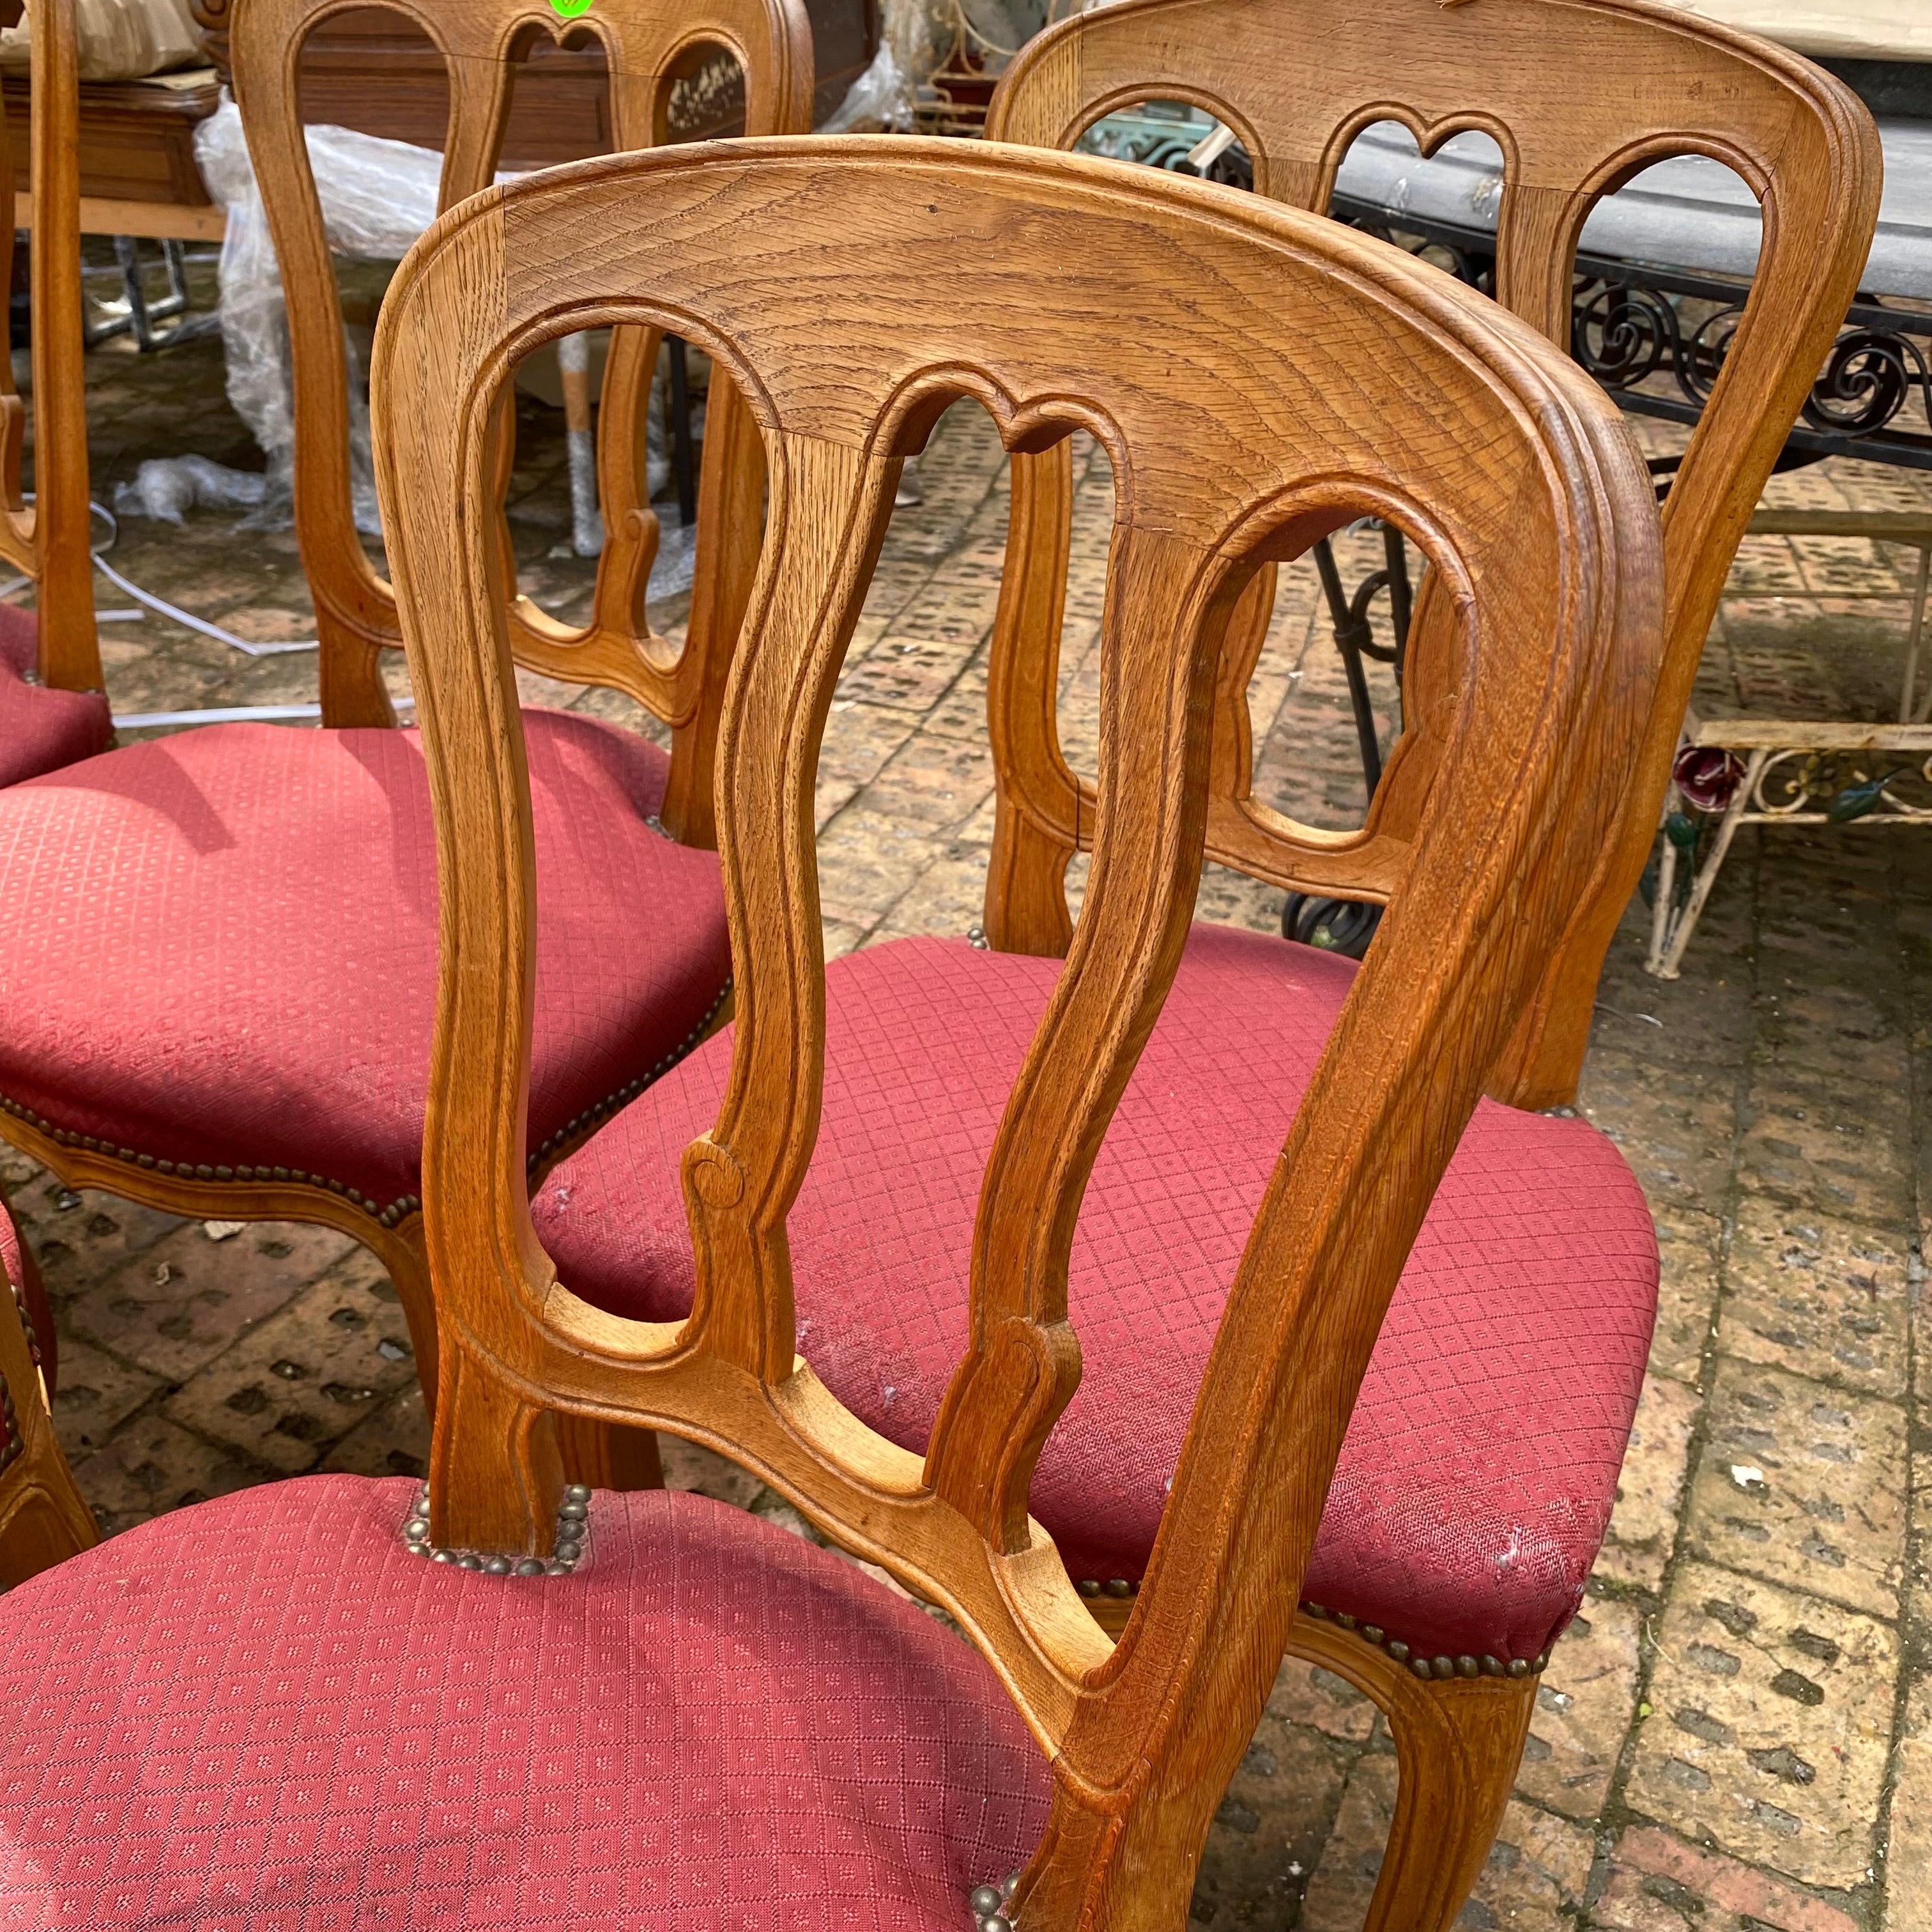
(1737, 1734)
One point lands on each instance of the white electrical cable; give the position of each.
(173, 612)
(232, 714)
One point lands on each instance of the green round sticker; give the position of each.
(568, 8)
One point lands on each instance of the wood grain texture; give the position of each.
(647, 44)
(43, 1518)
(1667, 84)
(1263, 378)
(48, 541)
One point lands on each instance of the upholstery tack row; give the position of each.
(11, 1446)
(573, 1531)
(1440, 1668)
(595, 1116)
(27, 1324)
(988, 1904)
(398, 1210)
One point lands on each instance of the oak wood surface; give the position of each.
(136, 140)
(1263, 377)
(647, 44)
(43, 1518)
(48, 539)
(1663, 83)
(368, 68)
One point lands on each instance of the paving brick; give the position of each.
(1825, 1298)
(1689, 1248)
(309, 1374)
(174, 1308)
(1583, 1709)
(393, 1440)
(1771, 1716)
(1534, 1881)
(1804, 1483)
(1643, 1526)
(1306, 1694)
(1269, 1829)
(155, 1465)
(1658, 1883)
(1909, 1854)
(78, 1238)
(97, 1394)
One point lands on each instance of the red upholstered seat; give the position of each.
(219, 949)
(263, 1713)
(41, 730)
(1482, 1460)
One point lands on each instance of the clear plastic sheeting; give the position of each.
(377, 196)
(119, 39)
(166, 487)
(1690, 212)
(915, 37)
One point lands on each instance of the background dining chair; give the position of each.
(517, 1700)
(43, 1519)
(219, 946)
(937, 1218)
(647, 43)
(52, 707)
(1673, 85)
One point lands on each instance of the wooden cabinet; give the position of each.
(370, 70)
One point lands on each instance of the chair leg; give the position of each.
(1458, 1743)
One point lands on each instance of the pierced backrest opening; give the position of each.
(649, 47)
(1663, 84)
(1241, 363)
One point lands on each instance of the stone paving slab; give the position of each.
(1736, 1735)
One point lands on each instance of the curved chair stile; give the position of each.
(645, 42)
(60, 715)
(1798, 136)
(1545, 540)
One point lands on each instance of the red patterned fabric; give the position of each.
(220, 947)
(1482, 1460)
(41, 730)
(262, 1715)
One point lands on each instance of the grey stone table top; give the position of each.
(1690, 213)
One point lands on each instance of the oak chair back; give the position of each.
(49, 540)
(1262, 378)
(647, 43)
(1296, 81)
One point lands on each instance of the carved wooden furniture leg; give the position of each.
(1458, 1743)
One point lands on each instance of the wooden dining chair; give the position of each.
(1675, 84)
(43, 1519)
(919, 1260)
(53, 709)
(508, 1699)
(647, 44)
(219, 946)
